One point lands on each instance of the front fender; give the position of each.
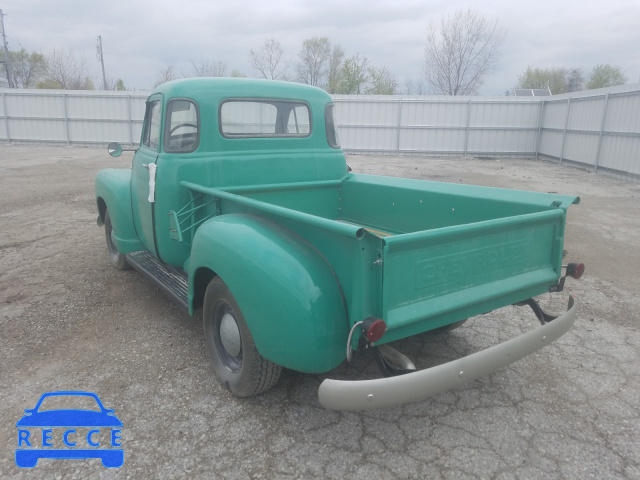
(288, 293)
(113, 192)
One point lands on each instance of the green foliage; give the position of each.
(27, 68)
(606, 76)
(335, 67)
(120, 85)
(565, 80)
(557, 79)
(381, 82)
(49, 85)
(354, 75)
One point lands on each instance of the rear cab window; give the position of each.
(259, 118)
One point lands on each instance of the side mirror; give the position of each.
(114, 149)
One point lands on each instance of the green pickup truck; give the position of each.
(239, 202)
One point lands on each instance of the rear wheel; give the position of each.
(236, 361)
(117, 259)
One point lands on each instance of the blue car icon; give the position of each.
(67, 422)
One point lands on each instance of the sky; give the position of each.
(142, 37)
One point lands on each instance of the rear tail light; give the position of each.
(373, 328)
(575, 270)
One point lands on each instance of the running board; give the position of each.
(172, 281)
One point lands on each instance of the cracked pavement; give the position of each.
(70, 321)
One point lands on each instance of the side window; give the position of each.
(182, 126)
(151, 137)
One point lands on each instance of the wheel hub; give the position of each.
(230, 335)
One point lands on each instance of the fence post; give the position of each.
(564, 134)
(6, 115)
(130, 119)
(466, 135)
(399, 127)
(66, 117)
(543, 103)
(602, 125)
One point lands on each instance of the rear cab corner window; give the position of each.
(330, 127)
(262, 118)
(182, 126)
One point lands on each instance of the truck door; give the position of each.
(143, 175)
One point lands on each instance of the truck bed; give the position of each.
(425, 254)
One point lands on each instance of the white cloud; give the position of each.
(140, 37)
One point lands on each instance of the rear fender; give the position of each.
(288, 293)
(113, 192)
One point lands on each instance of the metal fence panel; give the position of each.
(598, 129)
(550, 144)
(621, 154)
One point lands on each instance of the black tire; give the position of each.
(117, 259)
(236, 361)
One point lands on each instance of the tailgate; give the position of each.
(440, 276)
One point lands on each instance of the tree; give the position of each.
(354, 75)
(210, 69)
(557, 79)
(165, 76)
(575, 80)
(461, 52)
(120, 85)
(381, 82)
(235, 73)
(65, 71)
(335, 68)
(27, 68)
(606, 76)
(411, 86)
(271, 60)
(313, 66)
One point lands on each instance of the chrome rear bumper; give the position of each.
(417, 386)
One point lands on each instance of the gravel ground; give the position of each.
(70, 321)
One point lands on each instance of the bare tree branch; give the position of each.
(165, 75)
(271, 60)
(314, 61)
(67, 71)
(210, 69)
(461, 52)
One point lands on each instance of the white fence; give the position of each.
(71, 117)
(439, 125)
(598, 129)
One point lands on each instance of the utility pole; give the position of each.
(101, 58)
(7, 60)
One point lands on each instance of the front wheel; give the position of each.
(236, 360)
(118, 260)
